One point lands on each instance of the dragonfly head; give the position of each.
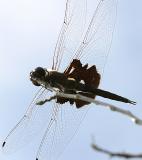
(38, 75)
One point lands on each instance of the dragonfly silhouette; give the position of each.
(79, 42)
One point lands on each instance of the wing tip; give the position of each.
(3, 144)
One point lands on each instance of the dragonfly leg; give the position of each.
(42, 102)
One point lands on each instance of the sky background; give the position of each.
(28, 33)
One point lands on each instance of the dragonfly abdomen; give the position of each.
(105, 94)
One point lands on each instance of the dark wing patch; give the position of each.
(76, 70)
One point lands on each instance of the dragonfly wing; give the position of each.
(86, 36)
(97, 41)
(59, 134)
(71, 31)
(29, 126)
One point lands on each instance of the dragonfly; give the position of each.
(81, 41)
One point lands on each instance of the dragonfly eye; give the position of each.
(38, 73)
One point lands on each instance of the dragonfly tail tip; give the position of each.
(133, 102)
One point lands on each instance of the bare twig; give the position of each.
(127, 113)
(115, 154)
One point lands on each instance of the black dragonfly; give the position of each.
(81, 41)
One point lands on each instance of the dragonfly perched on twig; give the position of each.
(79, 44)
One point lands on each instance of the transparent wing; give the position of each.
(71, 31)
(30, 125)
(92, 47)
(97, 41)
(90, 44)
(57, 136)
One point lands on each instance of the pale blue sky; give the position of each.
(28, 39)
